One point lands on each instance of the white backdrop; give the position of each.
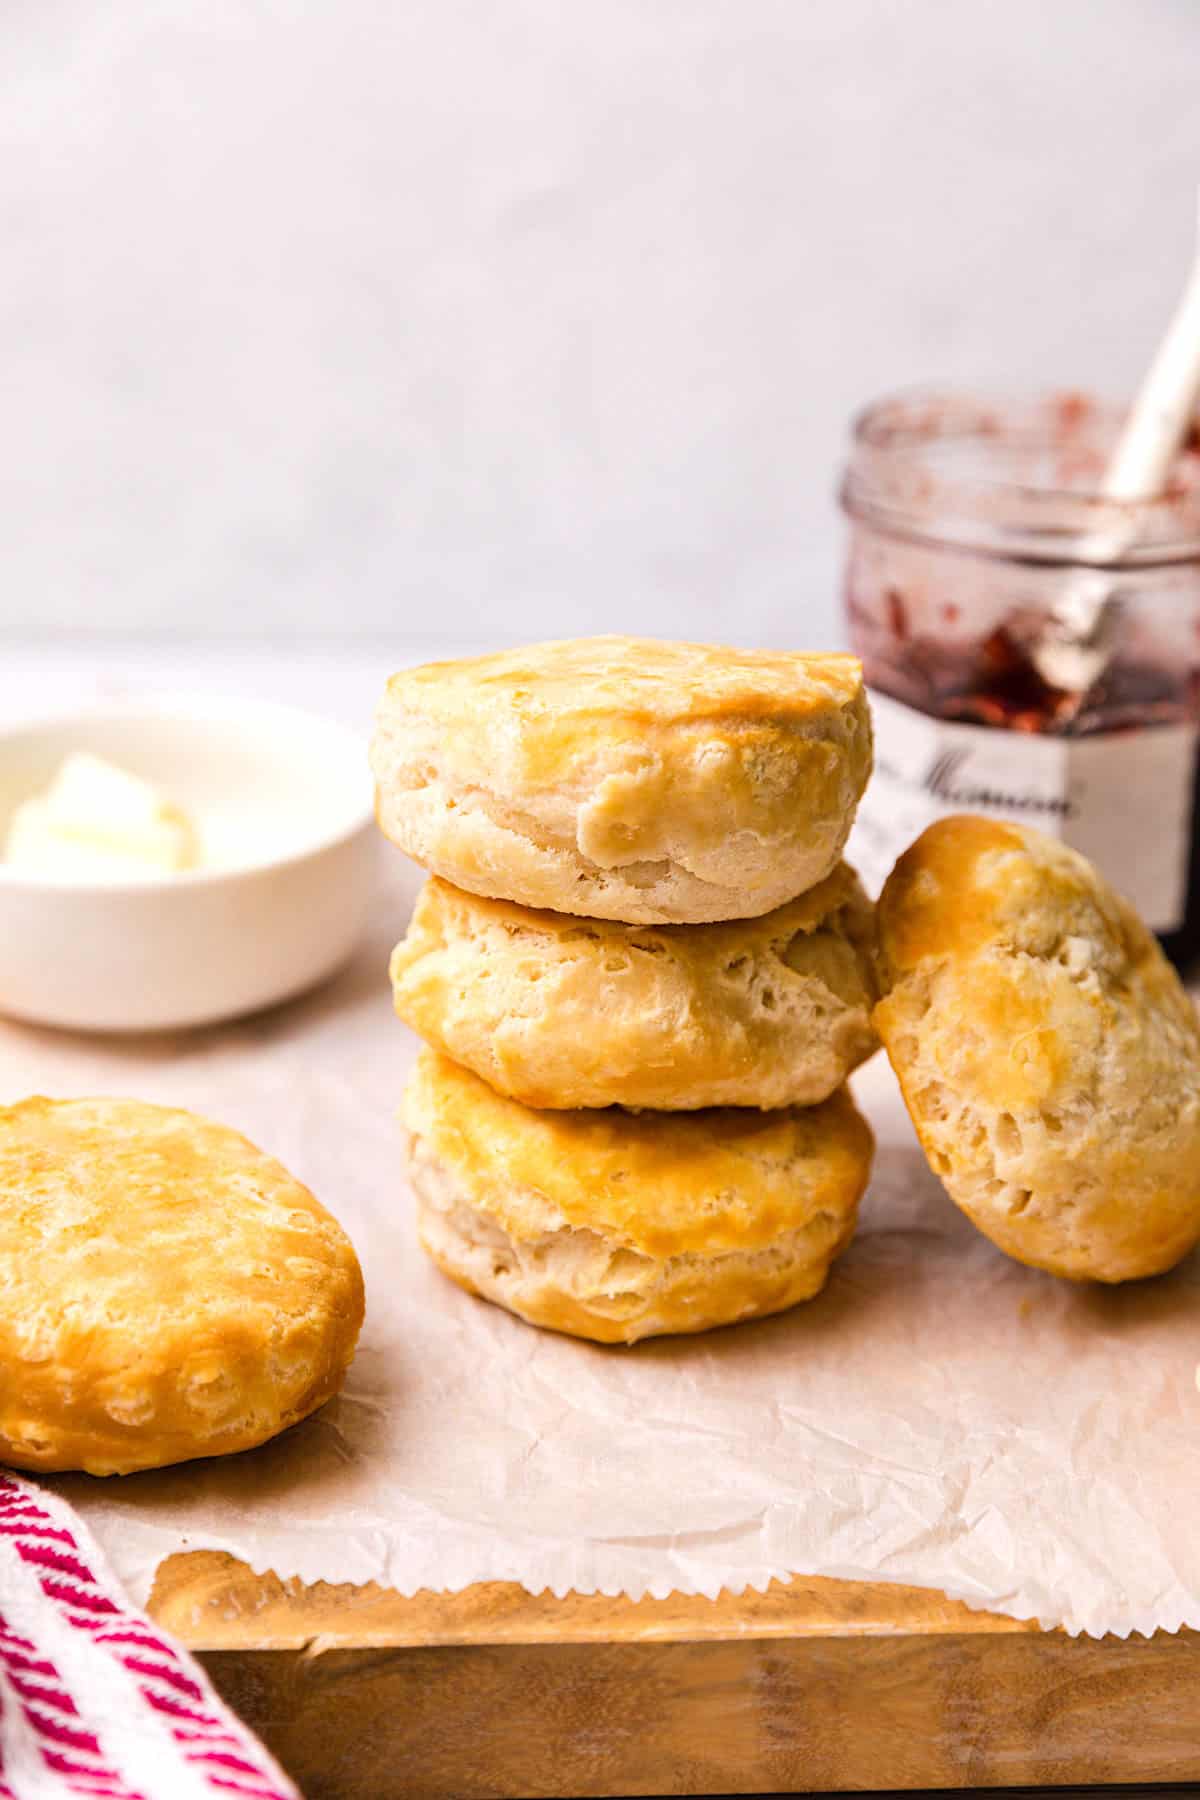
(393, 319)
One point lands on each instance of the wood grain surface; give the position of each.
(813, 1686)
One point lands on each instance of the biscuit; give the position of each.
(564, 1012)
(622, 778)
(617, 1226)
(167, 1291)
(1048, 1055)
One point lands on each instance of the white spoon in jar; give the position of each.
(1079, 638)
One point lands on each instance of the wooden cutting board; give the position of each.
(813, 1686)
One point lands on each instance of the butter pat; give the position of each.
(98, 823)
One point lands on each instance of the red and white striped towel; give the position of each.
(94, 1699)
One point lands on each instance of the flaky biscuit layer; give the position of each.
(617, 1226)
(563, 1012)
(623, 778)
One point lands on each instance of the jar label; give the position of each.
(1122, 798)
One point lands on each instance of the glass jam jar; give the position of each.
(973, 526)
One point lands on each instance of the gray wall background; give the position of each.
(441, 319)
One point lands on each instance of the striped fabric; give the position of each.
(94, 1699)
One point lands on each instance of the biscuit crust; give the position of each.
(618, 1226)
(1048, 1053)
(624, 778)
(562, 1012)
(167, 1291)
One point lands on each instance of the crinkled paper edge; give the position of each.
(451, 1569)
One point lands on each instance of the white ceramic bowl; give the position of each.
(285, 800)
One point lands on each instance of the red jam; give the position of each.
(964, 522)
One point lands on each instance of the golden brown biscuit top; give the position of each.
(441, 900)
(968, 883)
(1038, 965)
(562, 700)
(441, 907)
(664, 1183)
(651, 677)
(133, 1235)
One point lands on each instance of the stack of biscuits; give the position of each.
(642, 971)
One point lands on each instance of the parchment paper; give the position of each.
(938, 1416)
